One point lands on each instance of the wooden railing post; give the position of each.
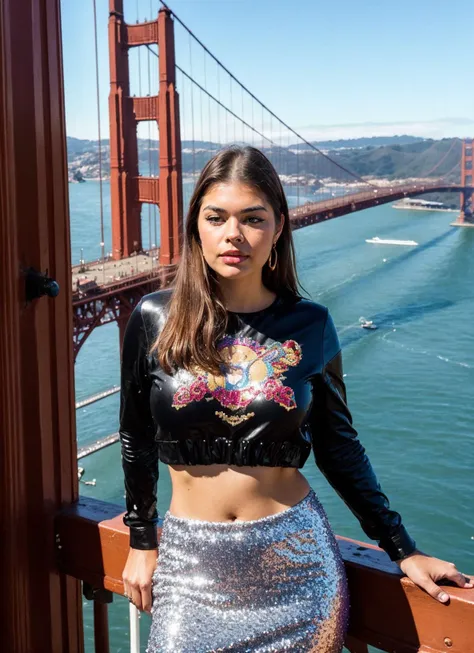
(101, 600)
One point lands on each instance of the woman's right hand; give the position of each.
(137, 576)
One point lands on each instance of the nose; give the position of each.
(233, 230)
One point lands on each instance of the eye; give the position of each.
(214, 219)
(253, 219)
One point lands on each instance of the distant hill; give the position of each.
(373, 141)
(366, 157)
(419, 159)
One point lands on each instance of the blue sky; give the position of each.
(329, 69)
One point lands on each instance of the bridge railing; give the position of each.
(387, 610)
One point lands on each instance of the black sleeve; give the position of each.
(137, 437)
(342, 458)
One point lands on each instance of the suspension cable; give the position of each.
(185, 74)
(149, 137)
(139, 61)
(102, 241)
(192, 111)
(338, 165)
(450, 172)
(455, 140)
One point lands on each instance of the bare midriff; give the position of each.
(230, 492)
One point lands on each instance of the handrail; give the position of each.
(97, 397)
(387, 610)
(97, 445)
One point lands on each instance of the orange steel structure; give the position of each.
(114, 302)
(467, 194)
(41, 606)
(128, 189)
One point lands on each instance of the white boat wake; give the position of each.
(391, 241)
(426, 352)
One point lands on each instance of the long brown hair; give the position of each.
(197, 317)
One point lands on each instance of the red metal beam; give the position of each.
(467, 180)
(125, 207)
(145, 108)
(114, 303)
(171, 186)
(149, 190)
(41, 607)
(142, 34)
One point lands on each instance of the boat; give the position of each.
(389, 241)
(420, 205)
(367, 324)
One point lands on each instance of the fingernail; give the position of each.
(443, 597)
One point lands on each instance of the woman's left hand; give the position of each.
(424, 571)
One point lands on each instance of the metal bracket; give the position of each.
(38, 284)
(96, 593)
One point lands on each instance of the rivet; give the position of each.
(448, 641)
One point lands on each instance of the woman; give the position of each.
(230, 379)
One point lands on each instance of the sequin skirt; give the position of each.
(271, 584)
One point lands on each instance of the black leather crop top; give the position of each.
(281, 395)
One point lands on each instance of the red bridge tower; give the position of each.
(128, 189)
(467, 195)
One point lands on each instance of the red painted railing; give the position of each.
(387, 610)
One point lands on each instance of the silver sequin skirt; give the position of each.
(272, 584)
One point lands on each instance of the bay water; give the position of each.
(410, 383)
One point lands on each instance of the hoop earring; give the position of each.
(271, 265)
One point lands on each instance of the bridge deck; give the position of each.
(95, 273)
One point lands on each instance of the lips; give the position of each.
(233, 252)
(233, 256)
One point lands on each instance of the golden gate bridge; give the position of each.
(216, 105)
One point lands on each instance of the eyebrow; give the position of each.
(249, 209)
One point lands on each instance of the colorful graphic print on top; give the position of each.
(253, 371)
